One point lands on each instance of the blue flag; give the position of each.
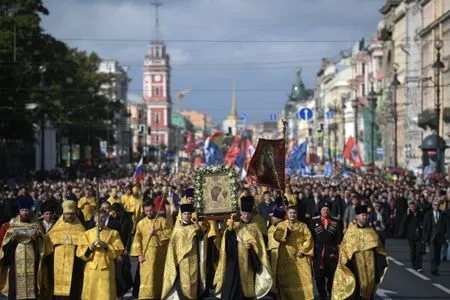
(345, 171)
(213, 155)
(328, 170)
(297, 158)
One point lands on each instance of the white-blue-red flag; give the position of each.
(138, 175)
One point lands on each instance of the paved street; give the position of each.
(401, 282)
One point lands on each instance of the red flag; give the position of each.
(189, 147)
(234, 151)
(352, 153)
(267, 164)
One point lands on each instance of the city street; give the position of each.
(401, 282)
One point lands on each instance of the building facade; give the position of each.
(116, 91)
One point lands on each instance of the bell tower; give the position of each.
(156, 89)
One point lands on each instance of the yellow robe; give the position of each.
(154, 249)
(113, 200)
(272, 248)
(87, 206)
(295, 279)
(210, 226)
(253, 285)
(183, 251)
(99, 282)
(358, 243)
(65, 238)
(25, 259)
(135, 206)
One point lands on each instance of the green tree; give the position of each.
(63, 82)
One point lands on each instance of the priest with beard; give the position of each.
(67, 269)
(362, 261)
(243, 271)
(21, 255)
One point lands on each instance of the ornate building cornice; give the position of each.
(388, 5)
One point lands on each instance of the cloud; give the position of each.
(263, 70)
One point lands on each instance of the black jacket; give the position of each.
(441, 233)
(413, 226)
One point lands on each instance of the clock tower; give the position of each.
(156, 83)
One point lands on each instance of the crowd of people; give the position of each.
(76, 239)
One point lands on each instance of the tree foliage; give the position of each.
(62, 82)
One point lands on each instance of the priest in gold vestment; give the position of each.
(185, 266)
(213, 240)
(294, 266)
(243, 270)
(277, 216)
(133, 204)
(150, 246)
(21, 255)
(362, 261)
(104, 248)
(67, 269)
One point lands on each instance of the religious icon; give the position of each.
(216, 190)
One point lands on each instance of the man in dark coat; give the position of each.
(327, 235)
(435, 233)
(413, 228)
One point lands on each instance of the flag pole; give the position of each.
(284, 150)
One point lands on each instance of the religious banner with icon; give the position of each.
(216, 190)
(268, 163)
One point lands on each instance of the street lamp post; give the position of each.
(355, 105)
(343, 107)
(42, 70)
(372, 98)
(395, 83)
(438, 65)
(69, 81)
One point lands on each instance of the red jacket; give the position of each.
(3, 230)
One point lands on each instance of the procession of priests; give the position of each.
(268, 248)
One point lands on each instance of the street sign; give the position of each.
(330, 114)
(243, 117)
(305, 114)
(380, 152)
(273, 117)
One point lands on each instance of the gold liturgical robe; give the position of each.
(272, 248)
(87, 206)
(294, 276)
(210, 225)
(65, 238)
(253, 285)
(99, 271)
(154, 249)
(30, 250)
(113, 200)
(187, 253)
(359, 245)
(134, 205)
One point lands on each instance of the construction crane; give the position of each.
(179, 97)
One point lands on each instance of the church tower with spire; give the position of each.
(231, 123)
(156, 89)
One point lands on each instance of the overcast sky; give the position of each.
(263, 71)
